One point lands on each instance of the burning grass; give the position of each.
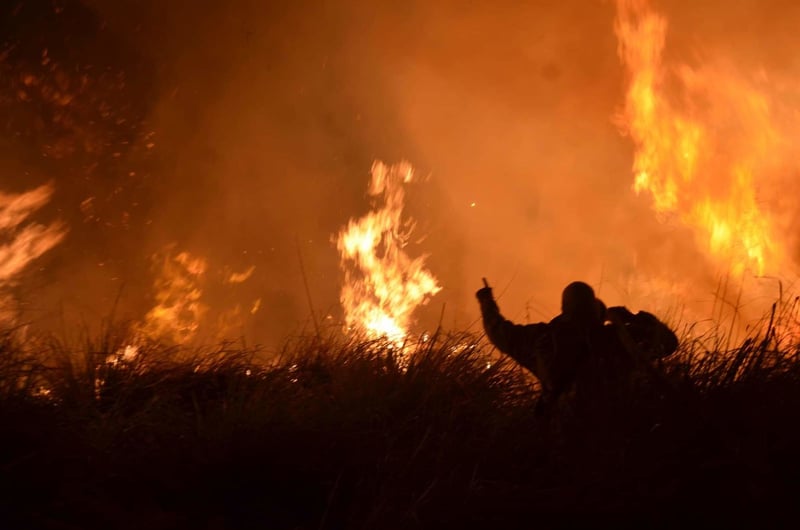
(348, 433)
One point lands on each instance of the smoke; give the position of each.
(256, 124)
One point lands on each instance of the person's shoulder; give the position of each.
(538, 327)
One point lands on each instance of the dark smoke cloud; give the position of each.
(266, 116)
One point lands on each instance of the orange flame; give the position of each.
(703, 138)
(29, 242)
(178, 310)
(382, 284)
(22, 244)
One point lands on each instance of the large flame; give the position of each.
(383, 285)
(706, 143)
(22, 243)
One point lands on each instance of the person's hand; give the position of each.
(485, 293)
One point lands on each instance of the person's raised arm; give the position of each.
(513, 339)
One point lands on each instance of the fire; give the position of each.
(23, 243)
(178, 290)
(125, 355)
(181, 305)
(240, 277)
(383, 285)
(706, 140)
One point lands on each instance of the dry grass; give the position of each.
(339, 433)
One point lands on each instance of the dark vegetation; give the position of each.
(343, 434)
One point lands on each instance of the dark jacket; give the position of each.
(567, 354)
(651, 338)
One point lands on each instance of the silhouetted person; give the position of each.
(587, 348)
(651, 338)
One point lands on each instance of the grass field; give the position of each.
(337, 433)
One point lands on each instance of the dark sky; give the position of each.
(244, 131)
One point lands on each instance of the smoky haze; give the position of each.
(265, 118)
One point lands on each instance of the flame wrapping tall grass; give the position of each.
(383, 285)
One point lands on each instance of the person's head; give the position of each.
(579, 303)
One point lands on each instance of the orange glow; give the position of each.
(704, 137)
(383, 285)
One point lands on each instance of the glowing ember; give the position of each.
(22, 244)
(382, 284)
(126, 354)
(240, 277)
(703, 137)
(178, 311)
